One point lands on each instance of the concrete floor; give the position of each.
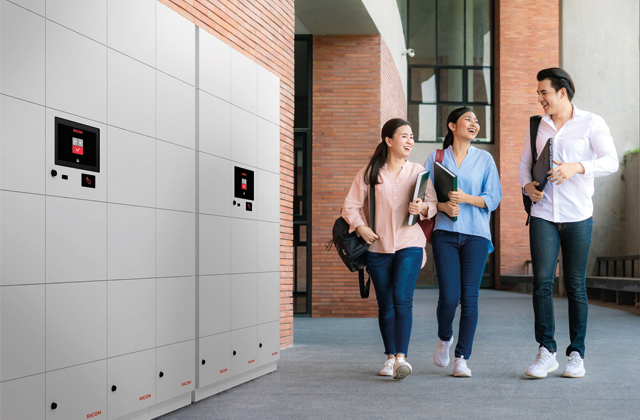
(332, 371)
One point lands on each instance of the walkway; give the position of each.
(331, 372)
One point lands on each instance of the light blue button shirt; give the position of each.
(477, 175)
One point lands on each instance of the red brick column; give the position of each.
(356, 87)
(527, 40)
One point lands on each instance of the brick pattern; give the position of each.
(355, 89)
(263, 31)
(521, 50)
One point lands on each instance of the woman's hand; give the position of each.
(458, 197)
(417, 207)
(451, 209)
(367, 234)
(564, 171)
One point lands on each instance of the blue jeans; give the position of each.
(546, 238)
(460, 261)
(394, 278)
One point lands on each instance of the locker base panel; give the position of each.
(169, 405)
(209, 390)
(138, 415)
(213, 389)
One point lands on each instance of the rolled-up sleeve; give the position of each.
(354, 202)
(491, 189)
(606, 156)
(526, 159)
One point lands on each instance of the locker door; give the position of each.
(269, 242)
(268, 342)
(268, 297)
(132, 316)
(12, 398)
(78, 392)
(175, 370)
(244, 246)
(244, 350)
(175, 310)
(215, 305)
(244, 300)
(215, 359)
(131, 384)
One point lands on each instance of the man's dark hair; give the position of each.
(559, 79)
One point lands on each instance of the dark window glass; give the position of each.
(479, 85)
(478, 32)
(423, 120)
(451, 32)
(422, 31)
(451, 86)
(423, 85)
(301, 69)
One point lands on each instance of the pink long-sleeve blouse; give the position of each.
(392, 208)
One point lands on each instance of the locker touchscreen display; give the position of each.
(77, 145)
(243, 183)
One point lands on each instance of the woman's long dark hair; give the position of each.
(379, 157)
(454, 116)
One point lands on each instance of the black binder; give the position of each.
(541, 169)
(445, 181)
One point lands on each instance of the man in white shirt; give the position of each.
(561, 214)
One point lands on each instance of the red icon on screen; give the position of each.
(88, 180)
(78, 150)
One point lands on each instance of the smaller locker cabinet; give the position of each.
(175, 370)
(244, 350)
(77, 392)
(131, 383)
(214, 365)
(268, 343)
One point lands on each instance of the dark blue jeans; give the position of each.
(546, 238)
(460, 261)
(394, 278)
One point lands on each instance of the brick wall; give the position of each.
(355, 88)
(526, 41)
(263, 31)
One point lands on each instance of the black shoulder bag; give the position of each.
(534, 123)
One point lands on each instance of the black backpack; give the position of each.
(351, 248)
(534, 123)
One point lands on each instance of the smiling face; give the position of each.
(401, 143)
(466, 128)
(552, 101)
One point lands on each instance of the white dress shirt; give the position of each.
(585, 138)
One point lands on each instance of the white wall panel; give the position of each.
(131, 168)
(22, 328)
(215, 358)
(244, 137)
(132, 94)
(177, 364)
(175, 310)
(175, 111)
(269, 241)
(23, 73)
(78, 391)
(215, 187)
(22, 151)
(244, 246)
(132, 28)
(76, 324)
(244, 82)
(131, 383)
(268, 146)
(175, 243)
(76, 240)
(244, 300)
(131, 242)
(214, 66)
(87, 17)
(175, 45)
(244, 350)
(268, 196)
(76, 74)
(214, 125)
(268, 343)
(175, 177)
(268, 95)
(132, 316)
(36, 6)
(12, 398)
(214, 245)
(22, 260)
(268, 297)
(214, 305)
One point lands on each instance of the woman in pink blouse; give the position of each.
(396, 251)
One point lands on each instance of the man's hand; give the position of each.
(367, 234)
(564, 171)
(533, 192)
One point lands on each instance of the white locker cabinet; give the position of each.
(215, 359)
(244, 246)
(214, 125)
(131, 28)
(215, 185)
(268, 343)
(214, 66)
(244, 350)
(239, 207)
(175, 310)
(269, 242)
(175, 370)
(175, 45)
(76, 323)
(175, 111)
(22, 328)
(268, 196)
(214, 305)
(131, 316)
(268, 95)
(23, 399)
(268, 297)
(244, 82)
(22, 157)
(77, 392)
(175, 243)
(23, 74)
(214, 245)
(76, 240)
(268, 146)
(244, 300)
(131, 383)
(87, 17)
(22, 223)
(131, 242)
(244, 136)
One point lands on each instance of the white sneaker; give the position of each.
(545, 362)
(460, 368)
(441, 356)
(575, 366)
(387, 370)
(401, 369)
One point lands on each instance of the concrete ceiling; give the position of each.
(335, 17)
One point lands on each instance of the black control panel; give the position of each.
(77, 145)
(243, 184)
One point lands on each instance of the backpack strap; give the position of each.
(364, 288)
(534, 124)
(439, 155)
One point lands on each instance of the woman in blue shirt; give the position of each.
(460, 248)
